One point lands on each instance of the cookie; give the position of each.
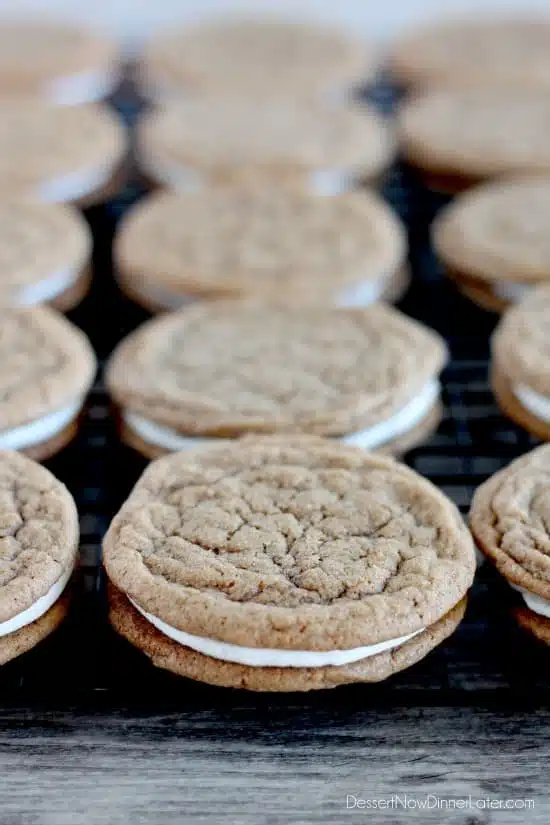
(59, 153)
(509, 520)
(38, 552)
(513, 51)
(45, 253)
(47, 369)
(520, 362)
(459, 137)
(220, 370)
(321, 149)
(283, 564)
(260, 58)
(261, 242)
(493, 240)
(58, 63)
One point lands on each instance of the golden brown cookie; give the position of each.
(257, 57)
(188, 145)
(265, 243)
(45, 252)
(494, 241)
(505, 52)
(225, 369)
(520, 362)
(48, 367)
(281, 553)
(465, 136)
(59, 63)
(39, 546)
(509, 520)
(59, 153)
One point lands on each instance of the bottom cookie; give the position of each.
(511, 407)
(46, 449)
(537, 625)
(169, 655)
(416, 436)
(15, 644)
(72, 296)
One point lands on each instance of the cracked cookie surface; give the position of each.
(38, 532)
(228, 368)
(291, 543)
(256, 241)
(39, 241)
(510, 519)
(46, 361)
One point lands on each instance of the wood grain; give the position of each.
(294, 765)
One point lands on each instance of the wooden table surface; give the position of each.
(298, 763)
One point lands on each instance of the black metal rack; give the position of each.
(488, 659)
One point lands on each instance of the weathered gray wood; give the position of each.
(64, 768)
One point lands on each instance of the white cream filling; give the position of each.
(36, 610)
(324, 182)
(27, 435)
(537, 404)
(47, 289)
(398, 424)
(160, 297)
(84, 87)
(361, 294)
(270, 657)
(74, 186)
(535, 603)
(511, 291)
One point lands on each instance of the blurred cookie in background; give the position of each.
(320, 149)
(60, 153)
(506, 51)
(368, 377)
(59, 63)
(48, 367)
(263, 242)
(257, 57)
(458, 137)
(494, 242)
(45, 255)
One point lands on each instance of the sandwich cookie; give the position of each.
(269, 243)
(321, 149)
(512, 51)
(509, 520)
(367, 377)
(45, 253)
(58, 63)
(38, 552)
(48, 367)
(286, 564)
(521, 363)
(60, 153)
(257, 58)
(459, 137)
(493, 240)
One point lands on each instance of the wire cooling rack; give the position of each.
(487, 659)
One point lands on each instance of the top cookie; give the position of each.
(473, 52)
(498, 231)
(260, 241)
(510, 517)
(258, 58)
(49, 153)
(39, 244)
(38, 533)
(478, 133)
(521, 342)
(47, 363)
(226, 368)
(59, 63)
(295, 544)
(235, 138)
